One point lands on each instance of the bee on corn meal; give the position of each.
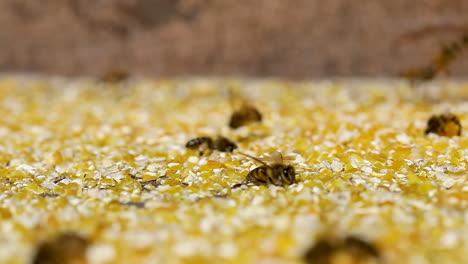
(67, 248)
(444, 125)
(273, 171)
(244, 112)
(207, 144)
(350, 250)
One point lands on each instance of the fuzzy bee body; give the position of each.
(199, 141)
(224, 145)
(243, 116)
(444, 125)
(276, 173)
(244, 112)
(204, 144)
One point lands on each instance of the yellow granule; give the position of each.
(109, 162)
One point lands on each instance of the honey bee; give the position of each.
(440, 63)
(67, 248)
(207, 144)
(351, 250)
(276, 173)
(444, 125)
(244, 112)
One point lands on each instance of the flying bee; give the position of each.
(440, 63)
(67, 248)
(244, 112)
(444, 125)
(349, 250)
(207, 144)
(276, 173)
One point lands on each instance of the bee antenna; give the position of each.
(251, 157)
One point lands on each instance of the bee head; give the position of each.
(288, 174)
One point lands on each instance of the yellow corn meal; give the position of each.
(108, 161)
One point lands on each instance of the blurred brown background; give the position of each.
(297, 39)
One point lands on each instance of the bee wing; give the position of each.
(289, 158)
(447, 112)
(254, 158)
(274, 157)
(236, 100)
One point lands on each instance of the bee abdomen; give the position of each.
(223, 144)
(444, 125)
(244, 116)
(197, 142)
(236, 120)
(259, 175)
(434, 125)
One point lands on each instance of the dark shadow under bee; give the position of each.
(67, 248)
(275, 173)
(444, 125)
(348, 250)
(207, 144)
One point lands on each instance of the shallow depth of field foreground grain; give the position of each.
(107, 161)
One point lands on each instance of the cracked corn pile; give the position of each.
(108, 162)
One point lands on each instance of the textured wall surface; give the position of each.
(299, 39)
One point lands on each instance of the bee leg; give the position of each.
(244, 182)
(237, 185)
(261, 183)
(209, 152)
(257, 182)
(204, 149)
